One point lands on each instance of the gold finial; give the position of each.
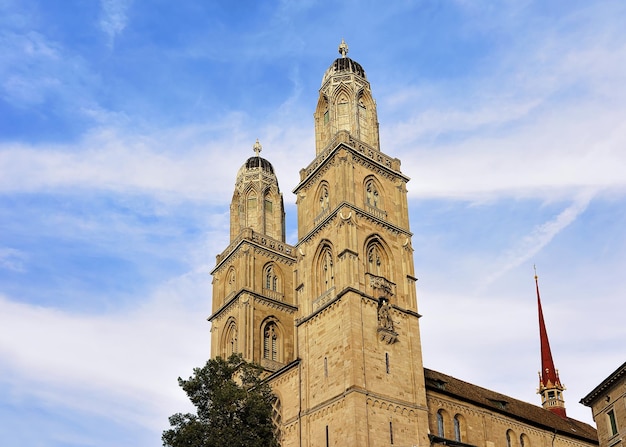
(535, 268)
(343, 48)
(257, 147)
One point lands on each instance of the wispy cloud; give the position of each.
(114, 17)
(540, 236)
(122, 366)
(12, 259)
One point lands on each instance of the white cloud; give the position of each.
(121, 366)
(12, 259)
(540, 236)
(114, 17)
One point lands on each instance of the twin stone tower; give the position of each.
(334, 318)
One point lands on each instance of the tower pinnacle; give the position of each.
(257, 148)
(550, 387)
(343, 48)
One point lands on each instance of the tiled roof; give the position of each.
(500, 403)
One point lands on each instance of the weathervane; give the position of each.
(343, 48)
(257, 147)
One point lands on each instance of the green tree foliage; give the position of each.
(233, 407)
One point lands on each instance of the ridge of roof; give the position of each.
(501, 403)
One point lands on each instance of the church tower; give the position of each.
(253, 308)
(333, 320)
(358, 340)
(550, 387)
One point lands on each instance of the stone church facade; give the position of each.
(334, 318)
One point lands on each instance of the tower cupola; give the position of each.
(345, 104)
(257, 201)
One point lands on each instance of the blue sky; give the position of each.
(123, 124)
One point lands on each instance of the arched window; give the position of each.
(440, 427)
(363, 124)
(271, 281)
(376, 258)
(343, 112)
(509, 438)
(231, 278)
(230, 284)
(326, 269)
(251, 210)
(523, 440)
(457, 428)
(372, 194)
(323, 199)
(270, 342)
(230, 338)
(268, 213)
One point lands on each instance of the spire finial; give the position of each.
(343, 48)
(257, 148)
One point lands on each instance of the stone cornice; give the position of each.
(262, 244)
(359, 150)
(359, 213)
(340, 294)
(257, 298)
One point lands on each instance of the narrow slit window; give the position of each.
(612, 422)
(440, 431)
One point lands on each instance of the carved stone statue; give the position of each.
(384, 316)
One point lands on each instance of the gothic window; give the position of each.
(376, 258)
(362, 108)
(271, 278)
(323, 197)
(457, 428)
(326, 269)
(440, 427)
(230, 338)
(372, 194)
(251, 210)
(343, 112)
(230, 277)
(270, 342)
(363, 125)
(373, 259)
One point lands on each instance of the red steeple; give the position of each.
(550, 387)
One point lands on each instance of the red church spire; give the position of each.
(550, 387)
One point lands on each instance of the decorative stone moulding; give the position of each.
(389, 337)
